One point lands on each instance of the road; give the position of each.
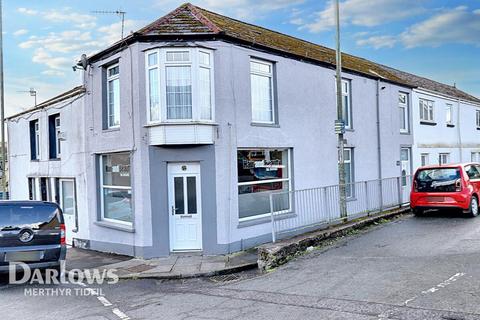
(412, 268)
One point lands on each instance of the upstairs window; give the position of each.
(113, 96)
(426, 110)
(54, 132)
(449, 114)
(261, 80)
(347, 103)
(477, 118)
(34, 140)
(444, 158)
(179, 85)
(404, 112)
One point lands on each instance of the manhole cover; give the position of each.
(139, 268)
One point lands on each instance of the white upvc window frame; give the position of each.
(111, 79)
(405, 111)
(475, 156)
(350, 187)
(347, 93)
(58, 131)
(195, 65)
(444, 158)
(288, 179)
(270, 76)
(424, 159)
(449, 114)
(477, 118)
(102, 187)
(429, 107)
(37, 139)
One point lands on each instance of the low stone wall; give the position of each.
(272, 255)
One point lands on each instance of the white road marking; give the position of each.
(120, 314)
(439, 286)
(104, 301)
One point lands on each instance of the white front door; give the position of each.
(68, 204)
(406, 174)
(185, 206)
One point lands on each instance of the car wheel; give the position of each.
(473, 211)
(417, 212)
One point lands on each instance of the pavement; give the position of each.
(176, 266)
(414, 268)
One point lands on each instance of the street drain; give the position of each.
(226, 278)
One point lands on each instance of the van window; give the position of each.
(31, 216)
(437, 179)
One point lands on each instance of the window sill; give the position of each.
(181, 123)
(106, 130)
(54, 159)
(478, 128)
(34, 160)
(428, 123)
(116, 226)
(405, 132)
(449, 125)
(263, 220)
(269, 125)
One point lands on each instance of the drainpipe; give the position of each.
(379, 146)
(460, 146)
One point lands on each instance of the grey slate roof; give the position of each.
(61, 97)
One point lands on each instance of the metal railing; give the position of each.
(299, 211)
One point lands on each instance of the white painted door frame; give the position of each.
(70, 219)
(185, 206)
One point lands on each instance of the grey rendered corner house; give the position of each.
(182, 131)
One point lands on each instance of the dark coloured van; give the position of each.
(31, 232)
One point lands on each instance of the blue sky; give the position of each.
(437, 39)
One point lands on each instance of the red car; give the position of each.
(453, 186)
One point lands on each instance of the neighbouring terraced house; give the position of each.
(181, 131)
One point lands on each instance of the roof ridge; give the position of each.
(196, 11)
(193, 10)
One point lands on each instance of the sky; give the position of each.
(438, 39)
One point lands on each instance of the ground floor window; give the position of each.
(261, 172)
(476, 157)
(349, 176)
(116, 189)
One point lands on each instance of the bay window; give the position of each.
(115, 188)
(179, 85)
(260, 173)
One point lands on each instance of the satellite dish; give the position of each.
(84, 61)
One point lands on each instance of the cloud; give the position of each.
(26, 11)
(459, 25)
(52, 72)
(42, 56)
(363, 13)
(65, 15)
(113, 32)
(62, 42)
(20, 32)
(378, 42)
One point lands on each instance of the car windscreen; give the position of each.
(24, 216)
(437, 179)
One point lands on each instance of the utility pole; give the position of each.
(340, 123)
(2, 109)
